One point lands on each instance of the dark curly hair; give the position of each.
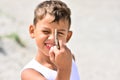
(55, 8)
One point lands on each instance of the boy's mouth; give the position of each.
(49, 45)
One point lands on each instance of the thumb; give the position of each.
(52, 55)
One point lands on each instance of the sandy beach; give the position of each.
(95, 41)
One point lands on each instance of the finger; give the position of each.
(62, 44)
(52, 55)
(56, 50)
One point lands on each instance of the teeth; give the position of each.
(49, 45)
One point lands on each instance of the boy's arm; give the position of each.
(62, 58)
(30, 74)
(63, 75)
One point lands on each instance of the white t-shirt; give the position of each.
(50, 74)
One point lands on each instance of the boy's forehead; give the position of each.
(49, 19)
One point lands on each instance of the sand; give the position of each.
(95, 41)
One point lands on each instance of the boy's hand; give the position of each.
(62, 57)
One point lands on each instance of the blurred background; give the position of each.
(95, 41)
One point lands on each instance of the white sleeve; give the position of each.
(74, 72)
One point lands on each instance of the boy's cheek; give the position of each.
(63, 40)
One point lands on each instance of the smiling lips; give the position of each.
(49, 45)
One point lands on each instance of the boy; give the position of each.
(51, 32)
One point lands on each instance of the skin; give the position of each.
(48, 55)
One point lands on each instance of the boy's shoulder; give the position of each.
(31, 74)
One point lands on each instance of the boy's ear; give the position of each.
(69, 36)
(31, 31)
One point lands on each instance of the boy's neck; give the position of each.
(45, 61)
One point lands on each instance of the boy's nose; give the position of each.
(52, 37)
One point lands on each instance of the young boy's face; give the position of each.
(44, 33)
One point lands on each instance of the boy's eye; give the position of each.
(46, 32)
(60, 33)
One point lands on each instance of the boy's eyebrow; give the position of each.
(45, 28)
(61, 30)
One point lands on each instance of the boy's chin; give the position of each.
(47, 54)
